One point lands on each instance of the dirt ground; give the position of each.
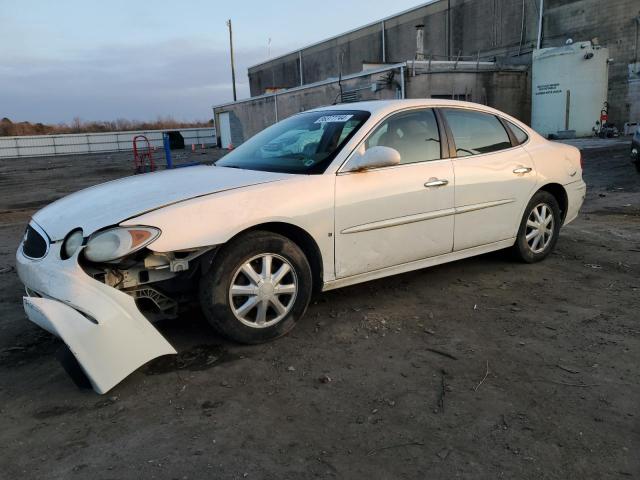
(482, 368)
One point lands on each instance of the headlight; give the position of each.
(72, 243)
(118, 242)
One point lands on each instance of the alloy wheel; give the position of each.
(263, 290)
(540, 225)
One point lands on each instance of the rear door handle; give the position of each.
(521, 170)
(436, 182)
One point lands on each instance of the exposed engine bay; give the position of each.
(159, 282)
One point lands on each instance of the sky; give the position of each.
(110, 59)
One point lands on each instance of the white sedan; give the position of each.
(324, 199)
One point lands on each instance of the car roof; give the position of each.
(376, 106)
(379, 108)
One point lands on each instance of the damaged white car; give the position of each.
(324, 199)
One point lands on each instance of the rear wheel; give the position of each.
(539, 228)
(258, 289)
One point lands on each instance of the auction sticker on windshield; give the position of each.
(333, 118)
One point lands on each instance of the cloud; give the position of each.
(182, 78)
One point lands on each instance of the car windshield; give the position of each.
(305, 143)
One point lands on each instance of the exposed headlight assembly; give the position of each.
(118, 242)
(72, 243)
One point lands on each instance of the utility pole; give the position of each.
(449, 30)
(541, 15)
(233, 68)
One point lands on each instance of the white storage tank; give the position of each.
(568, 88)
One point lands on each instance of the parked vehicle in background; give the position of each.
(324, 199)
(635, 148)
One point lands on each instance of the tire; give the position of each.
(529, 251)
(254, 312)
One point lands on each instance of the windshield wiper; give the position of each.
(229, 166)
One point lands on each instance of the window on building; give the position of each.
(413, 134)
(475, 133)
(465, 97)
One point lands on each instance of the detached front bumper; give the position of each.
(101, 325)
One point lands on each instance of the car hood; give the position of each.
(113, 202)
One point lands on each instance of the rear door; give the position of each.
(494, 178)
(388, 216)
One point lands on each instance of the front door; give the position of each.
(394, 215)
(494, 178)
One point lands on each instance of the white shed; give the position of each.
(569, 88)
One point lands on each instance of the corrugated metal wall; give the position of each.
(42, 145)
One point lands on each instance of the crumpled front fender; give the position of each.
(101, 325)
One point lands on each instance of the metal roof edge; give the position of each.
(315, 84)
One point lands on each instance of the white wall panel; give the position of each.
(41, 145)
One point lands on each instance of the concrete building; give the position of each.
(456, 33)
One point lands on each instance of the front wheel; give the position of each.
(258, 289)
(539, 228)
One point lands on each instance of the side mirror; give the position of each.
(375, 157)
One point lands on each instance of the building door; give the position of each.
(225, 129)
(393, 215)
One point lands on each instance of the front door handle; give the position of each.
(436, 182)
(521, 170)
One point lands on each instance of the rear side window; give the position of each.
(521, 136)
(475, 133)
(413, 134)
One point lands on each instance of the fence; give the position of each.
(77, 143)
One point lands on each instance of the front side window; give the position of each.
(305, 143)
(475, 133)
(413, 134)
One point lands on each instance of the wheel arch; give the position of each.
(560, 194)
(301, 238)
